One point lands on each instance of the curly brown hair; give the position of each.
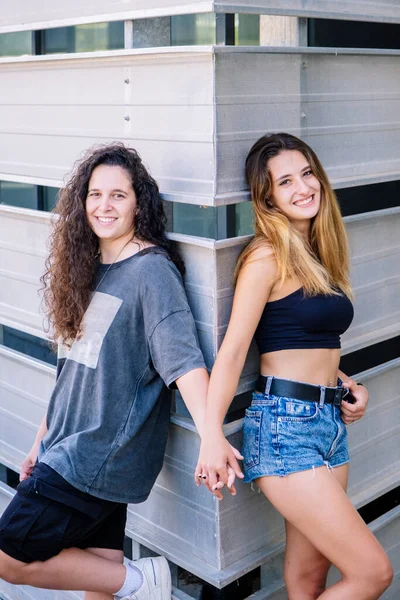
(74, 248)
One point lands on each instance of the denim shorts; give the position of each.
(285, 435)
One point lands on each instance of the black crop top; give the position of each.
(297, 321)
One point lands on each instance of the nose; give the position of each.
(105, 203)
(302, 187)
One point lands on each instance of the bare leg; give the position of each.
(115, 555)
(306, 568)
(316, 504)
(72, 569)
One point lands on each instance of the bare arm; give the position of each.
(193, 387)
(353, 412)
(30, 460)
(217, 460)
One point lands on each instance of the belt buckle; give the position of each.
(340, 393)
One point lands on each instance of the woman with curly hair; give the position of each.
(117, 307)
(293, 295)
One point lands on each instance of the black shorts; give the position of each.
(47, 514)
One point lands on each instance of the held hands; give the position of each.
(28, 464)
(354, 412)
(217, 465)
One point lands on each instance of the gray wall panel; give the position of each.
(22, 254)
(25, 387)
(187, 524)
(160, 103)
(381, 10)
(374, 441)
(259, 530)
(196, 156)
(209, 279)
(46, 13)
(326, 99)
(375, 251)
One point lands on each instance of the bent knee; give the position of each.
(377, 576)
(11, 570)
(384, 574)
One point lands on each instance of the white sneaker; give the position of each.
(156, 579)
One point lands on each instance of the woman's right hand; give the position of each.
(28, 464)
(217, 464)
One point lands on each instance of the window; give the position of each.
(18, 194)
(247, 30)
(16, 44)
(367, 198)
(27, 195)
(81, 38)
(189, 30)
(30, 345)
(244, 218)
(353, 34)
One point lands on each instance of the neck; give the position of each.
(304, 227)
(115, 250)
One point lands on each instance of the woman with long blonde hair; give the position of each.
(293, 295)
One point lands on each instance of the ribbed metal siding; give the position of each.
(210, 265)
(187, 524)
(325, 97)
(162, 103)
(19, 15)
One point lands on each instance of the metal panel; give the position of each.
(364, 10)
(193, 529)
(209, 279)
(375, 258)
(18, 15)
(43, 14)
(160, 102)
(326, 98)
(173, 519)
(374, 441)
(23, 236)
(25, 386)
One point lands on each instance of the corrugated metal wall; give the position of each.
(193, 113)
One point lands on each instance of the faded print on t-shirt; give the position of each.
(97, 320)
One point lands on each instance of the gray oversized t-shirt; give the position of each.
(109, 412)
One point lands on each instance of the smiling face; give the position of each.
(111, 205)
(295, 189)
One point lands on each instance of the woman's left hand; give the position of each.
(354, 412)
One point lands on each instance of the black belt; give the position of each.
(302, 391)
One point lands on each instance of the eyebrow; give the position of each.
(98, 190)
(289, 174)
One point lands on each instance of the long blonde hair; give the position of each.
(322, 267)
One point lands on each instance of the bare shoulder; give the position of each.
(260, 261)
(263, 250)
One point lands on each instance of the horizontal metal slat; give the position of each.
(326, 98)
(46, 14)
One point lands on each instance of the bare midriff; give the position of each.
(315, 365)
